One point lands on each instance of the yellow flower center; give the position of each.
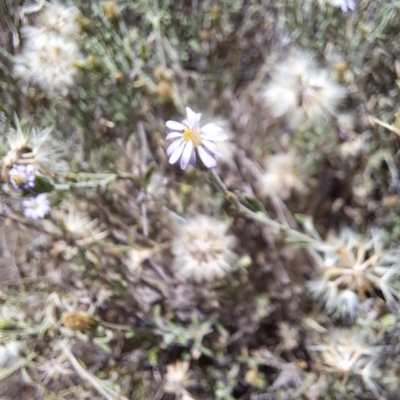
(19, 179)
(194, 136)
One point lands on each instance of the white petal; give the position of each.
(213, 131)
(208, 160)
(175, 125)
(177, 153)
(173, 135)
(187, 152)
(211, 128)
(213, 148)
(173, 146)
(193, 118)
(193, 159)
(216, 136)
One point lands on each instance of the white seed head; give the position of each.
(203, 249)
(281, 176)
(54, 368)
(9, 312)
(353, 270)
(177, 377)
(10, 353)
(301, 92)
(80, 228)
(345, 351)
(55, 18)
(353, 144)
(30, 145)
(352, 147)
(136, 258)
(50, 61)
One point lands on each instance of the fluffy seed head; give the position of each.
(50, 61)
(10, 353)
(346, 354)
(58, 19)
(31, 146)
(54, 368)
(203, 249)
(301, 92)
(353, 270)
(177, 377)
(80, 228)
(281, 176)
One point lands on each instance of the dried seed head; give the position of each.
(57, 19)
(110, 9)
(282, 176)
(50, 61)
(203, 249)
(79, 321)
(81, 229)
(177, 377)
(346, 353)
(353, 270)
(301, 92)
(31, 146)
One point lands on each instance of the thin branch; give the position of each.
(105, 391)
(386, 125)
(264, 219)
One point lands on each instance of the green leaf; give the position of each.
(130, 334)
(253, 203)
(298, 242)
(2, 109)
(43, 184)
(301, 218)
(143, 52)
(148, 174)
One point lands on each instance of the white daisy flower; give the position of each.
(345, 5)
(36, 207)
(191, 137)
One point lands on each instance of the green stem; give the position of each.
(264, 219)
(106, 180)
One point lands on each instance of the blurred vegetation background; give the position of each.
(274, 276)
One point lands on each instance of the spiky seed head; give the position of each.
(32, 146)
(353, 270)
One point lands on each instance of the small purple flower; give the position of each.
(22, 176)
(191, 138)
(345, 5)
(36, 207)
